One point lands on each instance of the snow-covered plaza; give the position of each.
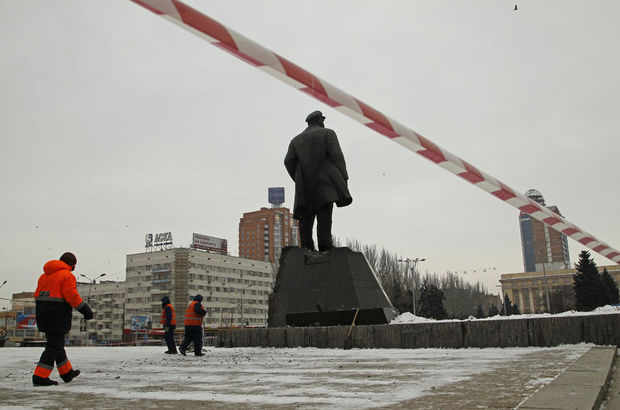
(145, 377)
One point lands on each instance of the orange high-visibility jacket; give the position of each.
(55, 297)
(191, 317)
(173, 319)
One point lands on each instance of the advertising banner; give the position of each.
(210, 243)
(140, 322)
(26, 321)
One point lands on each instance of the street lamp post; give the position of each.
(544, 266)
(414, 262)
(243, 294)
(90, 288)
(4, 308)
(503, 298)
(92, 281)
(546, 288)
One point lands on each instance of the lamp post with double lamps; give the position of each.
(92, 281)
(414, 263)
(90, 288)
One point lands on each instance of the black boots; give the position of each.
(70, 375)
(46, 381)
(170, 352)
(43, 381)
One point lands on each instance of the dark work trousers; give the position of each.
(169, 337)
(193, 334)
(54, 352)
(323, 228)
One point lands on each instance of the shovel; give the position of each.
(348, 341)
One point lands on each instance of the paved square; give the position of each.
(144, 377)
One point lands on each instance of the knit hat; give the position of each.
(69, 258)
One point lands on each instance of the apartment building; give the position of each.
(107, 301)
(263, 233)
(235, 290)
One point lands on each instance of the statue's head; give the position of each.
(315, 117)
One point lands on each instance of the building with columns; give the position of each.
(529, 290)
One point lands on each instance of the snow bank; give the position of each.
(408, 317)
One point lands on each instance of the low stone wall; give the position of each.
(542, 331)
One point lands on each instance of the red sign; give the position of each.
(210, 243)
(26, 322)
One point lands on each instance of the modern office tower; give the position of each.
(263, 234)
(543, 247)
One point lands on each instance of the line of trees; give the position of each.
(446, 296)
(449, 296)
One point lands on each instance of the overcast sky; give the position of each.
(116, 123)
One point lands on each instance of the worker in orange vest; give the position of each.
(55, 297)
(169, 321)
(193, 326)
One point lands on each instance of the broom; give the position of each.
(348, 341)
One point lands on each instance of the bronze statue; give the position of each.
(315, 162)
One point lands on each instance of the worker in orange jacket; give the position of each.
(55, 297)
(193, 326)
(169, 321)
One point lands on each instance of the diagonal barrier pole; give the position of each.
(284, 70)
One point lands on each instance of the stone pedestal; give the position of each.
(326, 289)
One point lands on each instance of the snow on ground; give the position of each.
(408, 317)
(264, 377)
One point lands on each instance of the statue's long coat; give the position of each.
(315, 162)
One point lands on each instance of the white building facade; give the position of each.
(235, 290)
(107, 301)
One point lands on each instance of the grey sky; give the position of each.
(116, 123)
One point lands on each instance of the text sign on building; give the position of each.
(210, 243)
(276, 195)
(160, 239)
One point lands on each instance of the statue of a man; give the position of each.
(315, 162)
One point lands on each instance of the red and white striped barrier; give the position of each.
(279, 67)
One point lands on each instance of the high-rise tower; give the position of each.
(262, 234)
(543, 247)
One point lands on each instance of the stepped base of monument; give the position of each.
(340, 317)
(601, 329)
(326, 289)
